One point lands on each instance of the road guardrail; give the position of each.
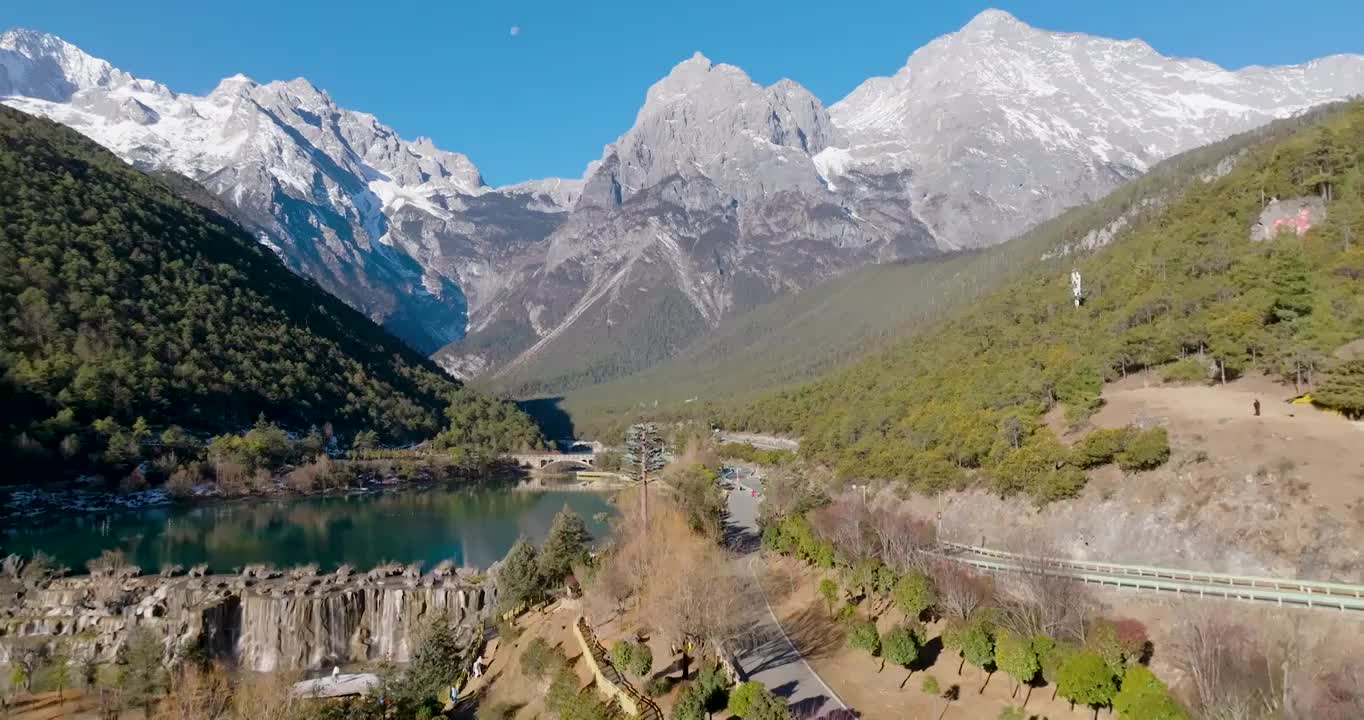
(1306, 593)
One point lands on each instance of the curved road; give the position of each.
(771, 659)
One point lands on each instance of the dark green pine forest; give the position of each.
(124, 306)
(1186, 292)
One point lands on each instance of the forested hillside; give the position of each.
(1187, 291)
(123, 305)
(804, 335)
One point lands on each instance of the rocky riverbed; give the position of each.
(261, 619)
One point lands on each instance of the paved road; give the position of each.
(771, 659)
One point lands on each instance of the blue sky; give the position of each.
(543, 101)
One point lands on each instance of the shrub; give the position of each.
(632, 657)
(623, 655)
(689, 705)
(862, 635)
(659, 686)
(1085, 678)
(181, 481)
(753, 701)
(306, 478)
(930, 685)
(1146, 450)
(1144, 697)
(540, 660)
(1100, 446)
(711, 682)
(641, 661)
(914, 593)
(828, 589)
(507, 631)
(1187, 370)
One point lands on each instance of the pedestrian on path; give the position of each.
(1257, 407)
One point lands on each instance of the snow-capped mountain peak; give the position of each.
(721, 194)
(1007, 124)
(42, 65)
(318, 183)
(994, 20)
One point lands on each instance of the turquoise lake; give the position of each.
(468, 526)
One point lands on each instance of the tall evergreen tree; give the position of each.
(645, 453)
(566, 545)
(518, 577)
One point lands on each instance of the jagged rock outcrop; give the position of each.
(261, 619)
(710, 204)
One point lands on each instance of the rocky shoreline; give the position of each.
(261, 619)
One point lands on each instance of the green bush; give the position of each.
(828, 589)
(1100, 446)
(1147, 449)
(1188, 370)
(689, 705)
(540, 659)
(622, 652)
(753, 701)
(659, 686)
(914, 593)
(632, 657)
(711, 684)
(862, 635)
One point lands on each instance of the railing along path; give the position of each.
(1280, 591)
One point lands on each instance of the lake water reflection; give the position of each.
(469, 526)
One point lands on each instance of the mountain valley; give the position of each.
(722, 196)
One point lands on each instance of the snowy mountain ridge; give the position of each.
(723, 193)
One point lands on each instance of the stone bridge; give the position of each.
(554, 461)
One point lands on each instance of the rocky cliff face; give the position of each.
(722, 194)
(260, 620)
(710, 204)
(725, 193)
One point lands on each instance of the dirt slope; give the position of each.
(1279, 494)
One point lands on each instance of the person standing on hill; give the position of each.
(1256, 404)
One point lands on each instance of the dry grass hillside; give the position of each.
(1278, 494)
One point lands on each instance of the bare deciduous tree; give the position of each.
(901, 540)
(960, 591)
(197, 694)
(1232, 678)
(1040, 601)
(695, 594)
(846, 523)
